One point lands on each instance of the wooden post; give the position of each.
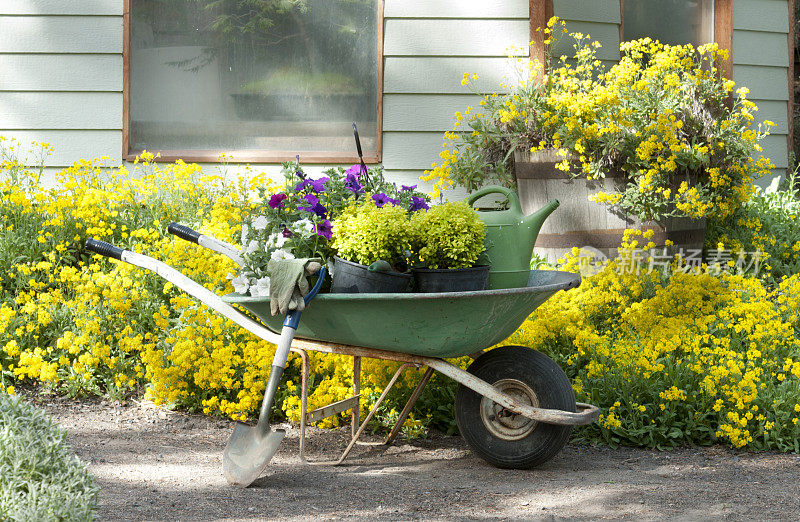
(540, 12)
(723, 34)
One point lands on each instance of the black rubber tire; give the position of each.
(548, 382)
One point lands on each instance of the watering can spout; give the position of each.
(533, 223)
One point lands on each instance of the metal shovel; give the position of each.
(250, 448)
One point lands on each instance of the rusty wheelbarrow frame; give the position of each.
(508, 403)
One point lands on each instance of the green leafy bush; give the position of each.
(769, 224)
(365, 233)
(448, 236)
(40, 478)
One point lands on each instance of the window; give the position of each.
(260, 80)
(669, 21)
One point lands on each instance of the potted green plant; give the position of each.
(447, 241)
(295, 219)
(658, 141)
(372, 240)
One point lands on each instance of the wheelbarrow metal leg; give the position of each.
(372, 412)
(303, 402)
(356, 393)
(410, 404)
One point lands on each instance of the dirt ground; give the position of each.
(158, 465)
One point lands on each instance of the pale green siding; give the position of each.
(760, 63)
(61, 69)
(61, 76)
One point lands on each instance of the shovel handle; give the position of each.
(323, 271)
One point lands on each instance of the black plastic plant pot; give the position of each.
(428, 280)
(353, 278)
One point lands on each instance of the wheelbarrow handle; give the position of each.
(183, 232)
(211, 243)
(184, 283)
(104, 249)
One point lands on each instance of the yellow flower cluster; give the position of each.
(82, 324)
(660, 115)
(692, 358)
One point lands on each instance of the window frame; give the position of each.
(723, 32)
(244, 156)
(542, 10)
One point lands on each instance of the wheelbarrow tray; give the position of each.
(434, 324)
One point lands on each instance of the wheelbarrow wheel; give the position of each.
(504, 439)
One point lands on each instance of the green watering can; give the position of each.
(510, 237)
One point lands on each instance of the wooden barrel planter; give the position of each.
(582, 223)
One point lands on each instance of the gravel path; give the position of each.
(157, 465)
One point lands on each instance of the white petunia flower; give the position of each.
(261, 288)
(260, 223)
(280, 255)
(305, 225)
(253, 246)
(240, 284)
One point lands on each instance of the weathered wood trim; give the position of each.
(621, 25)
(253, 156)
(723, 34)
(540, 12)
(244, 156)
(379, 121)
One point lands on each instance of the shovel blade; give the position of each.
(248, 453)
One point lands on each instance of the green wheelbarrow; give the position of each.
(514, 406)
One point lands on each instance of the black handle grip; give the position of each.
(103, 248)
(183, 232)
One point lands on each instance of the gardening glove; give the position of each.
(288, 283)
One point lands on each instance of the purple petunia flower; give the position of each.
(324, 229)
(303, 184)
(318, 185)
(287, 233)
(351, 183)
(276, 200)
(381, 199)
(317, 209)
(418, 204)
(311, 198)
(355, 170)
(407, 188)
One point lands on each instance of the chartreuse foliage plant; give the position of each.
(365, 233)
(449, 235)
(40, 478)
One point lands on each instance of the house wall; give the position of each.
(61, 69)
(61, 76)
(760, 25)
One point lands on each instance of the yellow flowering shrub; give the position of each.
(690, 358)
(80, 323)
(694, 358)
(662, 116)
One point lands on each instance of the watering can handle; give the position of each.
(513, 199)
